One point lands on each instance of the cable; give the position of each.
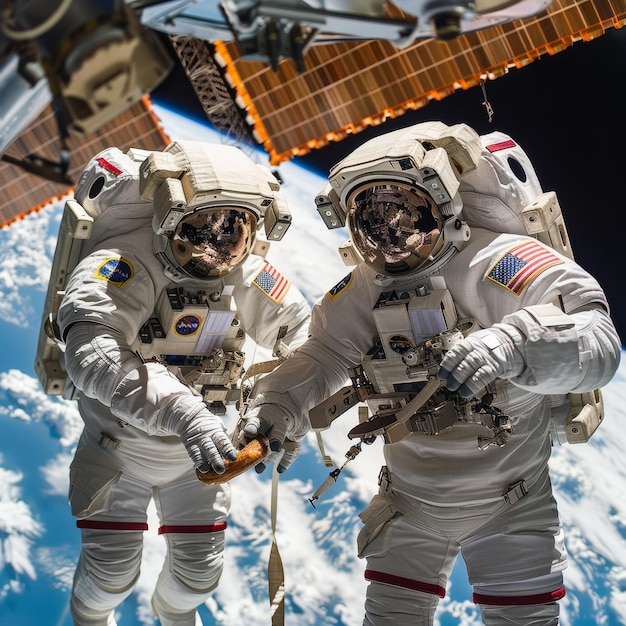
(37, 31)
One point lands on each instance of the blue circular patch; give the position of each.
(187, 324)
(116, 271)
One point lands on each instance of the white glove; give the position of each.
(204, 436)
(480, 358)
(271, 421)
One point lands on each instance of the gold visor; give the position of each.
(213, 241)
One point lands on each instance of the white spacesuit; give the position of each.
(153, 320)
(460, 339)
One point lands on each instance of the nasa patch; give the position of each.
(339, 287)
(187, 325)
(116, 271)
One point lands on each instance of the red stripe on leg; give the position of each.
(539, 598)
(102, 525)
(208, 528)
(406, 583)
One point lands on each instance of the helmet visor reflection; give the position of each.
(211, 242)
(393, 222)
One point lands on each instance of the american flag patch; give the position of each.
(520, 265)
(272, 282)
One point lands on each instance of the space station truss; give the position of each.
(348, 86)
(217, 96)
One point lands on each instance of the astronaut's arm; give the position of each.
(297, 330)
(102, 366)
(282, 399)
(97, 359)
(295, 315)
(538, 348)
(262, 316)
(305, 379)
(575, 352)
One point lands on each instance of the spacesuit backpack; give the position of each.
(108, 188)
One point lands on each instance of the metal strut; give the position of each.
(351, 454)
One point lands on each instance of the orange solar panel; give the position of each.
(22, 192)
(348, 86)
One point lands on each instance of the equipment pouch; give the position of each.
(378, 514)
(90, 483)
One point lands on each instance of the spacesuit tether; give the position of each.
(476, 342)
(159, 277)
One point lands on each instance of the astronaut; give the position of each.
(460, 331)
(170, 285)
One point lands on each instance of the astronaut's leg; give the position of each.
(112, 539)
(106, 572)
(515, 564)
(408, 565)
(530, 602)
(193, 521)
(393, 605)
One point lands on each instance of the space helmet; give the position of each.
(398, 196)
(210, 201)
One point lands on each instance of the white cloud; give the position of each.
(17, 526)
(587, 479)
(26, 400)
(26, 249)
(56, 474)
